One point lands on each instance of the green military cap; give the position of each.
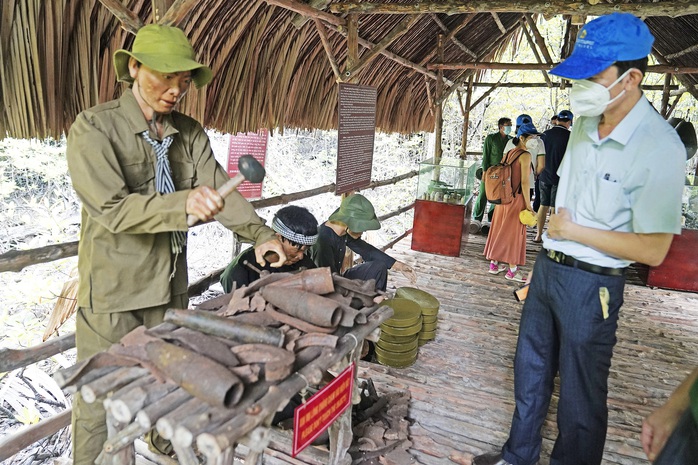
(164, 49)
(357, 213)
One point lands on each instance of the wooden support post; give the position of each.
(352, 46)
(466, 118)
(548, 66)
(672, 107)
(665, 96)
(438, 119)
(328, 49)
(449, 36)
(393, 35)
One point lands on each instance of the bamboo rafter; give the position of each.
(550, 7)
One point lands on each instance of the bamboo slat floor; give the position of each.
(462, 382)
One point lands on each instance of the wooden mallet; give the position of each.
(249, 169)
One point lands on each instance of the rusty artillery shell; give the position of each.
(203, 344)
(310, 307)
(198, 375)
(219, 326)
(317, 281)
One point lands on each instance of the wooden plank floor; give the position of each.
(462, 382)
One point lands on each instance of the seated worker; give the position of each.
(296, 228)
(343, 229)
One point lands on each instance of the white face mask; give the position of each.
(588, 98)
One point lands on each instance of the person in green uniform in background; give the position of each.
(140, 168)
(670, 433)
(492, 153)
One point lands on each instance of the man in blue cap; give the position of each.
(555, 139)
(613, 208)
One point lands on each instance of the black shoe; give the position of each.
(491, 458)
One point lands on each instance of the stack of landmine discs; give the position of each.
(430, 309)
(397, 346)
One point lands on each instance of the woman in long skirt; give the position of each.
(506, 241)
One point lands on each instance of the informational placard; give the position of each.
(250, 143)
(357, 130)
(316, 415)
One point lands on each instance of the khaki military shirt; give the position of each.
(125, 259)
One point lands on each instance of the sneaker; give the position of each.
(496, 269)
(515, 275)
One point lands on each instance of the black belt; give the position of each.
(563, 259)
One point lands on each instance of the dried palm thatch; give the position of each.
(66, 306)
(271, 70)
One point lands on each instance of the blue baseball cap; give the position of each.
(565, 114)
(523, 118)
(526, 128)
(602, 42)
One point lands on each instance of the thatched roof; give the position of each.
(55, 59)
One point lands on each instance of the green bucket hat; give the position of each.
(357, 213)
(164, 49)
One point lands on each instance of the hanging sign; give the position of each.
(357, 130)
(316, 415)
(250, 143)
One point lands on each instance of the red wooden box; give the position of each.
(438, 227)
(680, 267)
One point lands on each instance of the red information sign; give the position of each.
(316, 415)
(251, 143)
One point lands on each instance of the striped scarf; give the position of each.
(164, 183)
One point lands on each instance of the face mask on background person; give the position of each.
(507, 130)
(588, 98)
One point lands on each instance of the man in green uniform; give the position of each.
(140, 168)
(492, 153)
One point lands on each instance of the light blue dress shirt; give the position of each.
(630, 181)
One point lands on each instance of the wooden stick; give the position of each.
(153, 412)
(214, 443)
(167, 424)
(111, 382)
(310, 12)
(28, 435)
(17, 260)
(549, 66)
(129, 20)
(126, 405)
(12, 359)
(322, 32)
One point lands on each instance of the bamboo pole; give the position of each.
(450, 35)
(328, 49)
(438, 118)
(17, 260)
(306, 10)
(535, 51)
(12, 359)
(129, 20)
(547, 8)
(391, 37)
(665, 96)
(547, 67)
(466, 118)
(24, 437)
(177, 12)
